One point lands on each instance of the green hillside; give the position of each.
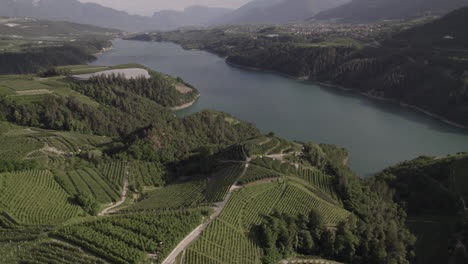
(100, 170)
(434, 191)
(30, 45)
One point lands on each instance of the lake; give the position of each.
(377, 134)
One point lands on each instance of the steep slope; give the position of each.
(273, 12)
(375, 10)
(434, 190)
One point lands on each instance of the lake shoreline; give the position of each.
(187, 105)
(393, 101)
(330, 85)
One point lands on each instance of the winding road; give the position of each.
(170, 259)
(108, 209)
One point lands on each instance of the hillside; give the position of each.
(376, 10)
(98, 169)
(423, 66)
(30, 45)
(276, 12)
(434, 190)
(194, 16)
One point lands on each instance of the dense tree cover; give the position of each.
(70, 114)
(433, 189)
(54, 71)
(37, 59)
(424, 66)
(160, 89)
(180, 138)
(376, 233)
(17, 165)
(415, 180)
(283, 235)
(87, 202)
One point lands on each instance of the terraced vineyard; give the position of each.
(128, 239)
(146, 174)
(17, 147)
(114, 172)
(55, 252)
(88, 180)
(267, 146)
(33, 197)
(71, 142)
(218, 185)
(226, 239)
(256, 173)
(222, 243)
(178, 195)
(311, 175)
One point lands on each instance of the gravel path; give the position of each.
(170, 259)
(124, 195)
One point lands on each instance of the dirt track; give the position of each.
(107, 210)
(170, 259)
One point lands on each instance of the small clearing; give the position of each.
(130, 73)
(34, 92)
(182, 88)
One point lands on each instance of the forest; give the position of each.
(34, 60)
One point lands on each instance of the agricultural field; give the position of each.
(57, 252)
(173, 196)
(146, 174)
(17, 147)
(268, 145)
(128, 239)
(226, 239)
(34, 197)
(114, 173)
(256, 173)
(220, 181)
(88, 180)
(264, 168)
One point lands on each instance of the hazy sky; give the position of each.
(148, 7)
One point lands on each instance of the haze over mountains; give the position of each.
(90, 13)
(375, 10)
(278, 11)
(255, 12)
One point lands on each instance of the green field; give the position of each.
(128, 239)
(226, 239)
(57, 252)
(173, 196)
(34, 197)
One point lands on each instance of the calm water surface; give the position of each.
(377, 134)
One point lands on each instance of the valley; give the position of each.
(262, 132)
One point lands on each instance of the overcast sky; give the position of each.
(148, 7)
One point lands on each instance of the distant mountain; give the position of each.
(94, 14)
(191, 16)
(375, 10)
(449, 31)
(278, 11)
